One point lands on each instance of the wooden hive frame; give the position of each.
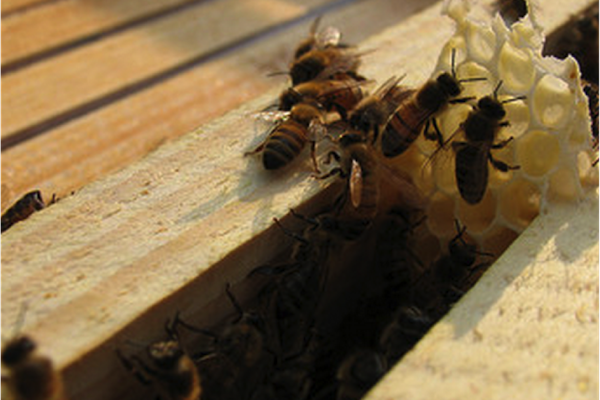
(116, 259)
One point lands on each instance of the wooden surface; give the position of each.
(153, 82)
(113, 261)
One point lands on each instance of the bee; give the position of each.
(168, 368)
(22, 209)
(407, 327)
(236, 361)
(338, 95)
(472, 156)
(591, 90)
(416, 114)
(360, 166)
(359, 372)
(31, 375)
(455, 270)
(302, 124)
(374, 111)
(296, 291)
(511, 10)
(328, 37)
(327, 63)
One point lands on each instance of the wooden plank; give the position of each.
(36, 31)
(9, 6)
(56, 86)
(60, 162)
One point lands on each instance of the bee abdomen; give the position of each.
(284, 145)
(398, 135)
(471, 171)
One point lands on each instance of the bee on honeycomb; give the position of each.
(546, 134)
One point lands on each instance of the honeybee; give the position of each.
(415, 115)
(338, 95)
(31, 375)
(302, 124)
(359, 372)
(374, 111)
(591, 90)
(327, 63)
(359, 165)
(296, 291)
(169, 369)
(472, 156)
(328, 37)
(22, 209)
(407, 327)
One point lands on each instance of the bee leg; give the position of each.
(500, 165)
(130, 366)
(436, 134)
(461, 100)
(341, 111)
(330, 155)
(304, 218)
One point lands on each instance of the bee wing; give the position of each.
(386, 86)
(329, 36)
(271, 116)
(355, 183)
(406, 193)
(314, 26)
(345, 62)
(316, 130)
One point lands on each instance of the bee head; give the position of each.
(289, 98)
(17, 350)
(449, 84)
(165, 354)
(491, 107)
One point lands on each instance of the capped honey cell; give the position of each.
(481, 42)
(564, 185)
(516, 69)
(440, 214)
(537, 152)
(498, 239)
(518, 117)
(519, 202)
(552, 101)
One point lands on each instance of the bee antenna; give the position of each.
(290, 233)
(496, 89)
(453, 59)
(513, 99)
(477, 79)
(234, 301)
(460, 231)
(277, 73)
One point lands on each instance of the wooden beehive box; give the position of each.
(111, 87)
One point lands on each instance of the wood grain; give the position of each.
(51, 88)
(60, 162)
(27, 34)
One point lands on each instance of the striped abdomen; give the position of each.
(284, 144)
(471, 170)
(403, 128)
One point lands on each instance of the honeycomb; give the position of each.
(550, 131)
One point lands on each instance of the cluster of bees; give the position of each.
(305, 335)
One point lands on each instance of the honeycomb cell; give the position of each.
(515, 69)
(498, 240)
(552, 101)
(440, 215)
(588, 173)
(581, 130)
(481, 41)
(477, 218)
(518, 117)
(563, 185)
(519, 202)
(537, 152)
